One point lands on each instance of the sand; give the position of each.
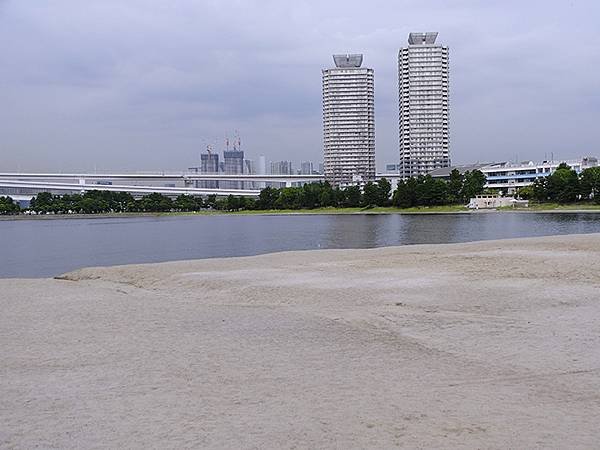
(480, 345)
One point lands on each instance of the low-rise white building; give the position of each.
(509, 177)
(495, 201)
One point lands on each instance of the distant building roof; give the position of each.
(233, 154)
(343, 61)
(422, 38)
(444, 172)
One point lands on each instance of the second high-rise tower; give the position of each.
(424, 104)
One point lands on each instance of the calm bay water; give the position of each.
(42, 248)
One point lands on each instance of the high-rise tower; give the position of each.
(233, 165)
(348, 121)
(209, 164)
(424, 102)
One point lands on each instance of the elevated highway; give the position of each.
(17, 189)
(26, 185)
(179, 176)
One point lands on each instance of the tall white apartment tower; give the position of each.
(424, 101)
(348, 121)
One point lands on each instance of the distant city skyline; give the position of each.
(209, 164)
(132, 85)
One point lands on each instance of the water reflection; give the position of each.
(360, 231)
(34, 248)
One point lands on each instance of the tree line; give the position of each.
(95, 202)
(421, 191)
(564, 185)
(429, 191)
(8, 206)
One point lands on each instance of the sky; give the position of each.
(146, 85)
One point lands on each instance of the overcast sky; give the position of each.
(147, 84)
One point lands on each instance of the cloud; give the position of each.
(146, 84)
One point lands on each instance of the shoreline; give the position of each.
(92, 271)
(414, 246)
(478, 345)
(323, 211)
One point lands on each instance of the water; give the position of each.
(42, 248)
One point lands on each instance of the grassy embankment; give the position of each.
(588, 206)
(446, 209)
(374, 210)
(330, 210)
(416, 210)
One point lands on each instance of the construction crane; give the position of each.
(238, 139)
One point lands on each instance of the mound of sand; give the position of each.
(493, 344)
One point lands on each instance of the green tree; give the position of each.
(310, 195)
(93, 202)
(89, 205)
(156, 202)
(188, 203)
(430, 191)
(455, 186)
(42, 203)
(563, 184)
(384, 190)
(289, 198)
(220, 204)
(233, 203)
(371, 195)
(473, 184)
(405, 195)
(8, 206)
(352, 197)
(539, 189)
(526, 192)
(589, 184)
(267, 198)
(339, 197)
(249, 203)
(211, 201)
(327, 197)
(122, 201)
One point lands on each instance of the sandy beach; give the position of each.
(482, 345)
